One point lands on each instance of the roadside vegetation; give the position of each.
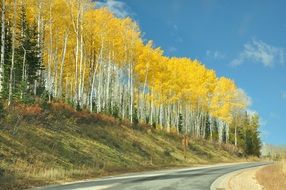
(273, 177)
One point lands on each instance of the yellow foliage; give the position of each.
(94, 36)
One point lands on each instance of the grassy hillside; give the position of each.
(53, 143)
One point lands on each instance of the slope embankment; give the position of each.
(54, 143)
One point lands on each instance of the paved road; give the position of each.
(178, 179)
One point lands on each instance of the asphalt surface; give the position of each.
(177, 179)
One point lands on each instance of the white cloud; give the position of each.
(172, 49)
(175, 32)
(179, 39)
(263, 122)
(264, 134)
(273, 115)
(260, 52)
(247, 98)
(215, 55)
(119, 8)
(175, 27)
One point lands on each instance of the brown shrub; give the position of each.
(62, 107)
(106, 118)
(126, 123)
(25, 110)
(144, 126)
(230, 148)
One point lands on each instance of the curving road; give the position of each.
(177, 179)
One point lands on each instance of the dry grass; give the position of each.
(273, 177)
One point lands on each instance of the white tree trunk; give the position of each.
(49, 80)
(131, 92)
(39, 42)
(211, 128)
(107, 87)
(220, 131)
(2, 46)
(23, 70)
(98, 93)
(93, 83)
(81, 76)
(62, 66)
(235, 136)
(226, 133)
(13, 53)
(151, 108)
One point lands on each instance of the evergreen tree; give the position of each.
(253, 142)
(29, 63)
(7, 60)
(180, 124)
(208, 127)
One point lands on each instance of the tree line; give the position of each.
(71, 51)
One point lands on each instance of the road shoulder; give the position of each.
(134, 175)
(238, 180)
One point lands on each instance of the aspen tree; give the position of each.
(13, 52)
(93, 59)
(3, 11)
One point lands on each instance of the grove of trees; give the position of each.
(71, 51)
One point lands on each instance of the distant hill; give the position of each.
(273, 151)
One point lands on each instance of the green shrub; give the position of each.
(1, 110)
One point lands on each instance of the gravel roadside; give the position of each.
(238, 180)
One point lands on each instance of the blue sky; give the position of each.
(243, 40)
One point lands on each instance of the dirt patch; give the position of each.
(239, 180)
(244, 180)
